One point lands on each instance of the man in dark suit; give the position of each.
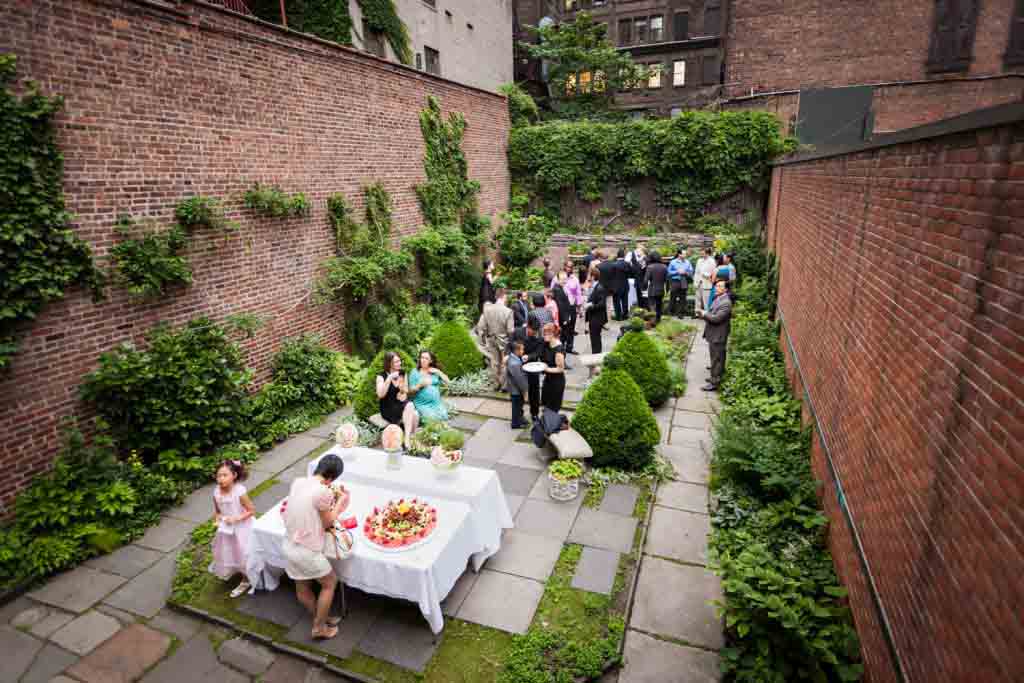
(585, 264)
(520, 309)
(615, 279)
(653, 282)
(716, 331)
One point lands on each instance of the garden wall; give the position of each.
(168, 99)
(902, 301)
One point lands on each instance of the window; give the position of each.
(655, 79)
(432, 3)
(373, 41)
(1015, 50)
(600, 82)
(433, 60)
(657, 29)
(712, 17)
(679, 72)
(570, 85)
(625, 31)
(681, 25)
(419, 61)
(711, 68)
(952, 43)
(640, 30)
(584, 82)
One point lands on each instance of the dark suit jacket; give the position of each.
(519, 312)
(599, 311)
(565, 307)
(717, 320)
(614, 275)
(654, 279)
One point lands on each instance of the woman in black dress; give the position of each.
(487, 292)
(553, 354)
(597, 312)
(393, 392)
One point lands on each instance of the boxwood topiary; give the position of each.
(646, 364)
(366, 403)
(455, 350)
(616, 421)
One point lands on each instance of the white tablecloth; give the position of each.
(477, 487)
(423, 574)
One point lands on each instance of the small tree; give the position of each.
(584, 69)
(456, 352)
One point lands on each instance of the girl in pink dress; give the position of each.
(233, 512)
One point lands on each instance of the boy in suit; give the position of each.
(518, 385)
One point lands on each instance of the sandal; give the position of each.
(241, 589)
(326, 633)
(333, 621)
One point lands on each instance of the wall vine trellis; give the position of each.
(39, 256)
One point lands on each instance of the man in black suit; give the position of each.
(716, 331)
(615, 279)
(520, 309)
(586, 261)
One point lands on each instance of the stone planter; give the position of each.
(563, 490)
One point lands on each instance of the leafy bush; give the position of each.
(366, 403)
(274, 202)
(647, 365)
(751, 330)
(522, 239)
(615, 420)
(345, 376)
(522, 110)
(202, 212)
(306, 364)
(444, 256)
(185, 393)
(456, 352)
(750, 374)
(147, 263)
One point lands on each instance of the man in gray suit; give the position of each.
(716, 331)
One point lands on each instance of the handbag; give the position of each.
(339, 544)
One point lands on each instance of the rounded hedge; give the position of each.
(366, 403)
(647, 365)
(616, 422)
(456, 352)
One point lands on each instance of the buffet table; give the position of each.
(474, 486)
(423, 573)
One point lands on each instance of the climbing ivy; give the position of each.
(449, 196)
(381, 15)
(39, 256)
(147, 261)
(327, 19)
(695, 158)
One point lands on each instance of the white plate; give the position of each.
(535, 366)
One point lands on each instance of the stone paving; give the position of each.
(673, 634)
(107, 620)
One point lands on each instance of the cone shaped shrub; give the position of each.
(616, 421)
(366, 403)
(647, 365)
(456, 352)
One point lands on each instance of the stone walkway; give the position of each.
(673, 634)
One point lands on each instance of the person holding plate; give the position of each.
(553, 355)
(424, 385)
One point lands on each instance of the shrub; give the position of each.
(147, 263)
(522, 239)
(456, 352)
(202, 212)
(186, 393)
(274, 202)
(752, 330)
(616, 421)
(345, 376)
(646, 364)
(750, 374)
(366, 403)
(307, 365)
(522, 109)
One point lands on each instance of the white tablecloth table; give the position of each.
(475, 486)
(423, 574)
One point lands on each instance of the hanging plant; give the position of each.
(381, 15)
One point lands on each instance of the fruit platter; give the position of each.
(400, 525)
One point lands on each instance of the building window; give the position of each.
(681, 25)
(640, 33)
(419, 61)
(625, 31)
(712, 71)
(1015, 50)
(657, 29)
(952, 43)
(679, 73)
(373, 41)
(712, 17)
(654, 81)
(433, 59)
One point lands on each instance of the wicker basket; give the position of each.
(563, 490)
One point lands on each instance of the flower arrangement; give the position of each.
(565, 470)
(447, 454)
(347, 435)
(391, 438)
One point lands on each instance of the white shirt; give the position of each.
(705, 269)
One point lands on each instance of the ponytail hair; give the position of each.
(236, 467)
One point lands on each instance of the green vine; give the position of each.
(327, 19)
(39, 256)
(202, 212)
(695, 158)
(381, 15)
(274, 202)
(146, 263)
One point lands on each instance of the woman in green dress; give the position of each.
(424, 384)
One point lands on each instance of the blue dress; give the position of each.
(428, 400)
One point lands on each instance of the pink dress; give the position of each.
(231, 544)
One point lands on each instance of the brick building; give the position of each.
(680, 39)
(840, 71)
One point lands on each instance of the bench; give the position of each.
(568, 444)
(378, 421)
(593, 361)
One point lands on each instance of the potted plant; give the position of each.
(564, 477)
(391, 442)
(424, 439)
(447, 454)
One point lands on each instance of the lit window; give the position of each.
(657, 29)
(600, 82)
(679, 72)
(640, 30)
(570, 84)
(655, 80)
(584, 81)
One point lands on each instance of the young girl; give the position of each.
(233, 512)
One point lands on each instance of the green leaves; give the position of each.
(272, 201)
(39, 257)
(148, 263)
(521, 239)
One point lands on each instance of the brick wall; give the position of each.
(902, 293)
(169, 99)
(789, 45)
